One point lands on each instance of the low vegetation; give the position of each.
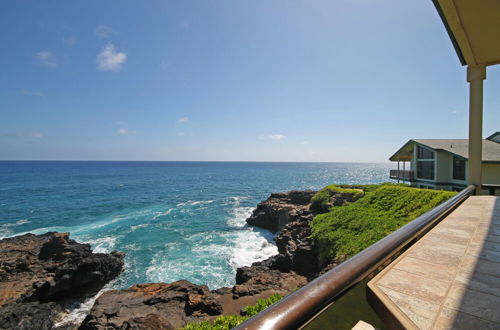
(322, 200)
(346, 230)
(230, 321)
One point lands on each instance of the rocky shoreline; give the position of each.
(38, 273)
(57, 267)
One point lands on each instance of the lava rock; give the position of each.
(27, 316)
(281, 208)
(46, 269)
(153, 306)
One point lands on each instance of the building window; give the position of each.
(424, 153)
(425, 170)
(458, 168)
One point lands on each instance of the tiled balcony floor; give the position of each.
(450, 279)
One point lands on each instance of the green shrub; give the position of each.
(321, 200)
(347, 230)
(226, 322)
(261, 304)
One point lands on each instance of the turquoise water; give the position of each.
(174, 220)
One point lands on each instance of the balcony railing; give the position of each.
(298, 308)
(402, 175)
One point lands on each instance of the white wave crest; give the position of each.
(162, 214)
(239, 216)
(102, 244)
(134, 228)
(251, 246)
(17, 223)
(191, 203)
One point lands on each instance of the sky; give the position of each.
(229, 80)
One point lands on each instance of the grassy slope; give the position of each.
(322, 197)
(346, 230)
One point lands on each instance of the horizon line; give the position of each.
(191, 161)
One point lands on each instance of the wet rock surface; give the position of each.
(281, 208)
(291, 210)
(38, 271)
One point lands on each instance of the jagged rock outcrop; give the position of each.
(292, 212)
(28, 316)
(259, 278)
(152, 306)
(37, 271)
(281, 208)
(173, 305)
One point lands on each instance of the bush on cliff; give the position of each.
(347, 230)
(226, 322)
(322, 200)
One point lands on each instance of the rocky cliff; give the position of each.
(281, 208)
(37, 272)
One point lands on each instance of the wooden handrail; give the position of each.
(303, 305)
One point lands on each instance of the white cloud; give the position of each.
(119, 123)
(69, 41)
(304, 143)
(103, 32)
(181, 134)
(32, 93)
(183, 120)
(454, 112)
(109, 59)
(275, 137)
(46, 58)
(36, 134)
(124, 131)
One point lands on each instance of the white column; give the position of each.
(475, 77)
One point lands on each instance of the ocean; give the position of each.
(174, 220)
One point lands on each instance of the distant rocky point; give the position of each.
(38, 272)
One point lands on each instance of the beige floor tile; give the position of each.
(419, 311)
(453, 319)
(453, 231)
(442, 255)
(480, 282)
(431, 290)
(472, 264)
(491, 245)
(473, 302)
(426, 269)
(489, 230)
(447, 237)
(492, 256)
(467, 227)
(493, 238)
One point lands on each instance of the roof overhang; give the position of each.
(404, 154)
(474, 29)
